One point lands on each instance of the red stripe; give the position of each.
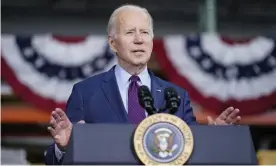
(24, 92)
(69, 39)
(230, 41)
(247, 107)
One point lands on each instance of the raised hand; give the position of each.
(227, 117)
(60, 128)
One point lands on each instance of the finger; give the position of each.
(81, 122)
(62, 114)
(236, 120)
(225, 113)
(56, 116)
(53, 122)
(210, 120)
(232, 116)
(52, 131)
(59, 111)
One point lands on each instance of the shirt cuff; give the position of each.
(59, 154)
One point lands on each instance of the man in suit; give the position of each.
(111, 97)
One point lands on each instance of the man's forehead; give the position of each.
(127, 17)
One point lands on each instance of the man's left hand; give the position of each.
(227, 117)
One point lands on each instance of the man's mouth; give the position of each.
(138, 50)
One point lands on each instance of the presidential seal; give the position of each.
(163, 139)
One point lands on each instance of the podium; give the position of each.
(110, 144)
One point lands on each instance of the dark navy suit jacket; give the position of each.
(97, 100)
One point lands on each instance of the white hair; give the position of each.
(111, 27)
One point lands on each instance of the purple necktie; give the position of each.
(136, 113)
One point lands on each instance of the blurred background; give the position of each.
(222, 52)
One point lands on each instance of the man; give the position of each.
(111, 97)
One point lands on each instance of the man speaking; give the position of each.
(111, 97)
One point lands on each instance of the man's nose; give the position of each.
(138, 39)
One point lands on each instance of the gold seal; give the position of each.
(163, 139)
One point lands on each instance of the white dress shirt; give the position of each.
(122, 78)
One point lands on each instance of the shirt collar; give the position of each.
(123, 76)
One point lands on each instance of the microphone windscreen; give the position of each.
(145, 96)
(143, 91)
(170, 92)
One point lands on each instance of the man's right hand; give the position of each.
(60, 128)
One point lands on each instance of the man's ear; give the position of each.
(111, 43)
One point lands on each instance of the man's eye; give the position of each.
(129, 32)
(145, 32)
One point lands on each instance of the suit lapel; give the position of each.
(157, 91)
(111, 91)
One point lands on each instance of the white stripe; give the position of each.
(243, 54)
(50, 88)
(69, 53)
(6, 89)
(212, 87)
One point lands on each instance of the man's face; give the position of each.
(133, 41)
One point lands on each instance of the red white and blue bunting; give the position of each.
(218, 74)
(42, 69)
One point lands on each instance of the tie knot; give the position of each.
(134, 78)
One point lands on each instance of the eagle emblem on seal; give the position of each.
(164, 142)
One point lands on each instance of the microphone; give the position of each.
(172, 100)
(146, 100)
